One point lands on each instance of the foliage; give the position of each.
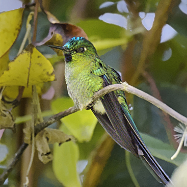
(118, 31)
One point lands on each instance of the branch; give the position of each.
(54, 118)
(130, 89)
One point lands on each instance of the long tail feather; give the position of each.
(151, 164)
(122, 125)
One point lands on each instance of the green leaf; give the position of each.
(109, 43)
(97, 29)
(147, 117)
(115, 172)
(103, 37)
(162, 150)
(64, 164)
(81, 124)
(25, 118)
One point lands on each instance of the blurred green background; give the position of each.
(119, 30)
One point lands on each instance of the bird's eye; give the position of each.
(81, 49)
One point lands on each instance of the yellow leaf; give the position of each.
(10, 26)
(44, 152)
(65, 158)
(109, 43)
(45, 137)
(81, 124)
(65, 164)
(55, 135)
(29, 68)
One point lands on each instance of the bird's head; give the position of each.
(77, 47)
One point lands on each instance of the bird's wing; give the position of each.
(107, 125)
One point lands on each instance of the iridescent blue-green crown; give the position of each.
(77, 42)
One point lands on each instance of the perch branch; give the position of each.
(130, 89)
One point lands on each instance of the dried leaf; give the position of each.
(10, 26)
(59, 33)
(55, 135)
(6, 118)
(49, 136)
(29, 68)
(54, 37)
(44, 153)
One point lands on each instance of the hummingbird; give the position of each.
(85, 74)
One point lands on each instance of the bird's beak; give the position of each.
(57, 47)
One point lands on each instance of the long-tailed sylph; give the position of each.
(85, 74)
